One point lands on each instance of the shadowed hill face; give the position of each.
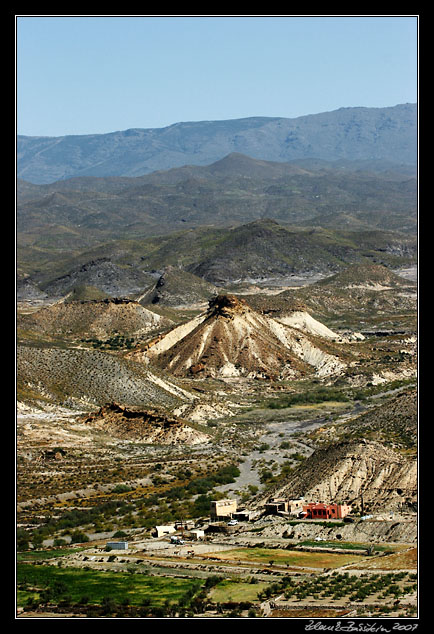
(178, 288)
(102, 275)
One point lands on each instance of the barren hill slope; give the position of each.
(232, 340)
(366, 275)
(178, 288)
(394, 423)
(359, 294)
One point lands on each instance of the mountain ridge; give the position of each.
(352, 133)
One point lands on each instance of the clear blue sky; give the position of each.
(97, 74)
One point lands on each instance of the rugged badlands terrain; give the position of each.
(92, 318)
(139, 411)
(232, 336)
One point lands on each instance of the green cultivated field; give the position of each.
(228, 590)
(97, 585)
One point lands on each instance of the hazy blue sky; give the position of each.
(96, 74)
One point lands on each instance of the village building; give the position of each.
(195, 534)
(223, 509)
(160, 531)
(318, 510)
(243, 515)
(283, 506)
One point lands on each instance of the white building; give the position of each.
(160, 531)
(195, 534)
(223, 509)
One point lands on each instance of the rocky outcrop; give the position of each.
(150, 426)
(227, 306)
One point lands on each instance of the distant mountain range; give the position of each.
(81, 212)
(355, 134)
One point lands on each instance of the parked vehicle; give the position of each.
(176, 540)
(233, 523)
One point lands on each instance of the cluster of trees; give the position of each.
(319, 395)
(355, 588)
(171, 505)
(193, 601)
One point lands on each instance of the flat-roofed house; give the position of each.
(160, 531)
(284, 506)
(318, 511)
(222, 509)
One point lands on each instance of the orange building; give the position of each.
(319, 511)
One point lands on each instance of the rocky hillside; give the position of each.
(264, 249)
(347, 471)
(148, 426)
(367, 275)
(93, 319)
(102, 274)
(257, 251)
(363, 295)
(232, 340)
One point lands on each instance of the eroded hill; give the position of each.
(393, 423)
(83, 378)
(232, 340)
(178, 288)
(363, 296)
